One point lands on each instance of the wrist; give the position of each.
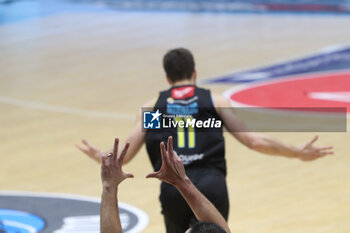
(110, 189)
(297, 152)
(292, 152)
(183, 183)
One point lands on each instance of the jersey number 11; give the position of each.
(181, 134)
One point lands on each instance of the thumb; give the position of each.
(152, 175)
(129, 175)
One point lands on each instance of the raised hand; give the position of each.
(111, 169)
(172, 170)
(309, 152)
(90, 150)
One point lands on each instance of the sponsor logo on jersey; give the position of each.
(22, 212)
(182, 92)
(190, 158)
(171, 100)
(179, 109)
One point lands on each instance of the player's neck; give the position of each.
(184, 83)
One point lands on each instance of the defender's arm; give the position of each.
(173, 172)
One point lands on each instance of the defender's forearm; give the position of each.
(203, 209)
(109, 213)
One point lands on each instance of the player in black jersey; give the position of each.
(203, 153)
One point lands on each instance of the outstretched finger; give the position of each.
(326, 152)
(163, 152)
(83, 149)
(86, 143)
(170, 146)
(115, 149)
(312, 140)
(326, 148)
(122, 155)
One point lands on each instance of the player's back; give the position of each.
(189, 115)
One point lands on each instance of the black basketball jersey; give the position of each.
(196, 147)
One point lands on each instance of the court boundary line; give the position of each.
(321, 51)
(65, 110)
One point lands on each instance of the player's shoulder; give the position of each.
(150, 103)
(220, 101)
(147, 105)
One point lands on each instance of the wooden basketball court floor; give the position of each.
(71, 76)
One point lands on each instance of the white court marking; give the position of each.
(74, 111)
(65, 110)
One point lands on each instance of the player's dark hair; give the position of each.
(206, 227)
(178, 64)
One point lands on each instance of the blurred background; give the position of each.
(73, 70)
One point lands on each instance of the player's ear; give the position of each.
(169, 80)
(194, 75)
